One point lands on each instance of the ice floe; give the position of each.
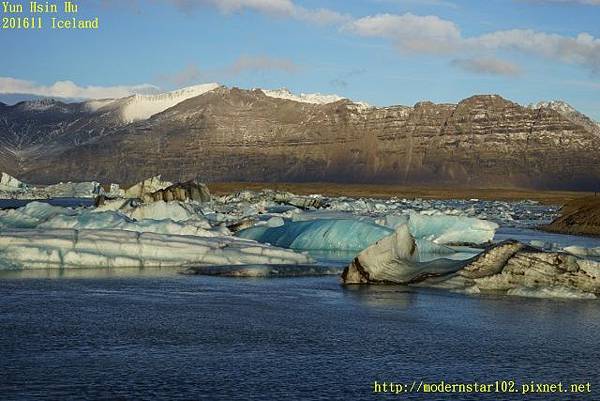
(510, 268)
(12, 188)
(67, 248)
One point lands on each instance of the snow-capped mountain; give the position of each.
(141, 107)
(232, 134)
(569, 112)
(313, 98)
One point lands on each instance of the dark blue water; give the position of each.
(157, 335)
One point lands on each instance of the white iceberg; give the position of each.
(31, 215)
(147, 186)
(162, 218)
(443, 229)
(11, 184)
(67, 248)
(510, 268)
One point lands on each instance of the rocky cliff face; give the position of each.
(233, 134)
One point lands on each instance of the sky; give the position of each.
(383, 52)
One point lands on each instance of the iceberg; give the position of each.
(358, 233)
(147, 187)
(31, 215)
(443, 229)
(336, 234)
(160, 217)
(395, 259)
(12, 188)
(161, 210)
(11, 184)
(68, 248)
(510, 268)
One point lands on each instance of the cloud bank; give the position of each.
(430, 34)
(68, 89)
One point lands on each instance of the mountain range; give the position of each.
(222, 134)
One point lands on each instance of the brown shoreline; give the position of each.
(388, 191)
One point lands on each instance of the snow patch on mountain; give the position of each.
(142, 107)
(569, 112)
(314, 98)
(95, 105)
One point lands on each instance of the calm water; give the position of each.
(131, 334)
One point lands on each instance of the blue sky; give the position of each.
(383, 52)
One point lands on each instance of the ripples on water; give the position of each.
(154, 334)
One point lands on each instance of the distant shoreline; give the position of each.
(552, 197)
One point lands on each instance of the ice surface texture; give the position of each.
(357, 234)
(340, 234)
(67, 248)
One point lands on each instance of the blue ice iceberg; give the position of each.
(432, 232)
(332, 234)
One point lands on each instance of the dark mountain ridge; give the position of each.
(245, 135)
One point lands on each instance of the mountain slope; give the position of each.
(234, 134)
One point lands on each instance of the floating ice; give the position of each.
(118, 221)
(161, 210)
(451, 229)
(65, 248)
(510, 268)
(31, 215)
(341, 235)
(162, 218)
(11, 184)
(147, 186)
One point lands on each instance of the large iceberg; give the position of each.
(67, 248)
(510, 268)
(335, 234)
(358, 233)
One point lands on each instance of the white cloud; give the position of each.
(486, 65)
(278, 8)
(411, 33)
(582, 50)
(68, 89)
(433, 35)
(428, 34)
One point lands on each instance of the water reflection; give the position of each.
(90, 273)
(397, 296)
